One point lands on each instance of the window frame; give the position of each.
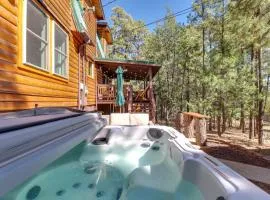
(92, 76)
(54, 23)
(24, 33)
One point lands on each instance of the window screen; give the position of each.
(60, 51)
(36, 36)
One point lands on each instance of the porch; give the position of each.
(136, 101)
(138, 87)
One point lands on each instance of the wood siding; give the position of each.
(99, 76)
(21, 86)
(61, 10)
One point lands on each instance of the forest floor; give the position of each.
(236, 146)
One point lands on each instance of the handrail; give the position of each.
(142, 94)
(106, 92)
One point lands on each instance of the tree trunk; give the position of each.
(187, 90)
(219, 118)
(214, 123)
(167, 116)
(242, 118)
(183, 87)
(260, 100)
(221, 100)
(210, 124)
(219, 125)
(224, 118)
(251, 127)
(203, 55)
(230, 122)
(255, 127)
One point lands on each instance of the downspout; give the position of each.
(79, 91)
(79, 76)
(83, 73)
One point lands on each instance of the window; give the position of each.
(60, 51)
(91, 69)
(36, 36)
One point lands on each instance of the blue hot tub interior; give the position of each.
(119, 169)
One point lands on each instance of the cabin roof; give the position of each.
(134, 70)
(103, 26)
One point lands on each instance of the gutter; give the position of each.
(78, 17)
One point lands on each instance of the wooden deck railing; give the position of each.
(106, 93)
(136, 101)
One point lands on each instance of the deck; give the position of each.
(138, 87)
(135, 101)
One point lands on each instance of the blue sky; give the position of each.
(148, 10)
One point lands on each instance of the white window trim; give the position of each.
(92, 68)
(24, 34)
(53, 49)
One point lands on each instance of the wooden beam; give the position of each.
(130, 98)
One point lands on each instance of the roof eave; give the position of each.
(141, 68)
(104, 26)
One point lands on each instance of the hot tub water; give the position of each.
(122, 170)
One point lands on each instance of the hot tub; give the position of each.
(81, 158)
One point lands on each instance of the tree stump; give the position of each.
(200, 130)
(189, 126)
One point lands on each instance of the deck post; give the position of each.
(151, 94)
(189, 126)
(200, 128)
(96, 93)
(179, 122)
(130, 92)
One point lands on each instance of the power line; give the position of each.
(179, 13)
(110, 2)
(176, 14)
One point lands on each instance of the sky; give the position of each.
(148, 10)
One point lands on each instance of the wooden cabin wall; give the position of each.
(21, 86)
(61, 11)
(99, 75)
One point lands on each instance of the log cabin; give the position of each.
(54, 54)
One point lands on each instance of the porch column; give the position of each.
(96, 81)
(151, 94)
(200, 128)
(130, 95)
(189, 126)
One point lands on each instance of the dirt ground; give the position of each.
(236, 146)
